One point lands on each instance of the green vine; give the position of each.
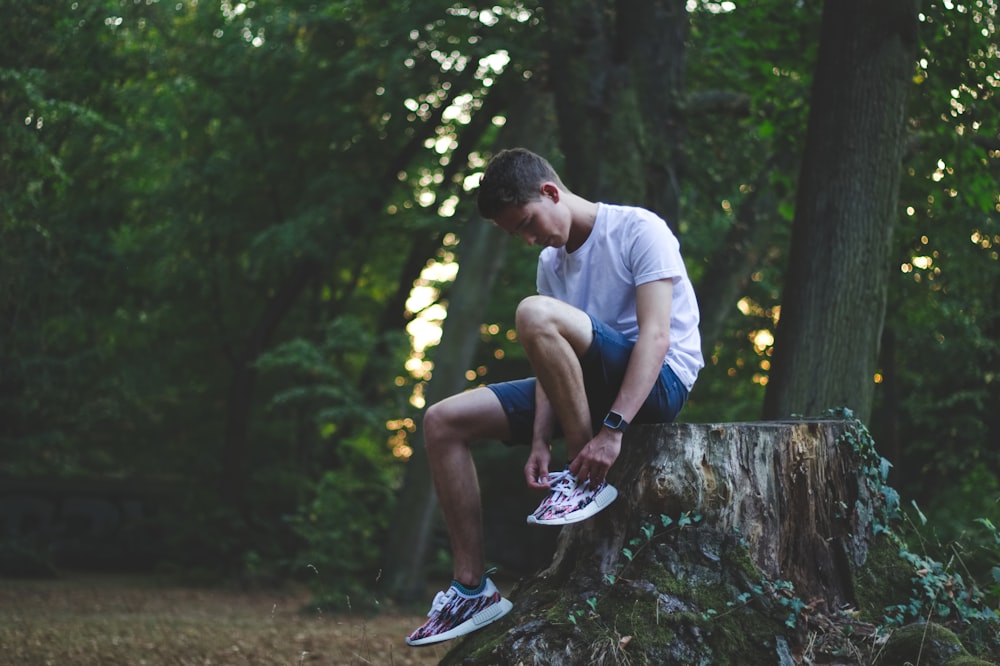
(939, 591)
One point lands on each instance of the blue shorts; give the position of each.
(604, 367)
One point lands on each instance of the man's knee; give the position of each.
(533, 313)
(443, 429)
(541, 316)
(436, 427)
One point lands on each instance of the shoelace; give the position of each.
(441, 599)
(563, 482)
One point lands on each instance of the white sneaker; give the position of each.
(571, 501)
(456, 612)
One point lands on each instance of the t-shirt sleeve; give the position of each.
(654, 253)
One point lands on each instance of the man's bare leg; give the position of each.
(450, 426)
(555, 335)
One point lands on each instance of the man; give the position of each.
(612, 337)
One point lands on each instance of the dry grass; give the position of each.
(113, 620)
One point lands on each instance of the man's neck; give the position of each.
(583, 215)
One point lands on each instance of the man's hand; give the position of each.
(597, 457)
(536, 470)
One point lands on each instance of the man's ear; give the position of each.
(550, 190)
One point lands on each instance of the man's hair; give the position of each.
(513, 178)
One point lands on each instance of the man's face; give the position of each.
(541, 222)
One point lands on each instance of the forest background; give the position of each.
(231, 233)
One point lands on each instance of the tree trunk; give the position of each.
(656, 33)
(724, 542)
(833, 304)
(616, 70)
(480, 259)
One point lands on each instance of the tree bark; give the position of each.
(656, 33)
(834, 300)
(617, 72)
(722, 539)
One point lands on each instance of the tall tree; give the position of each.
(614, 80)
(406, 553)
(834, 300)
(617, 71)
(480, 260)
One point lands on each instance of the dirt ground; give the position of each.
(86, 621)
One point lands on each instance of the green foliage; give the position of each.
(939, 592)
(342, 525)
(994, 548)
(201, 199)
(956, 591)
(318, 379)
(938, 404)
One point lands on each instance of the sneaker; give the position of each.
(571, 501)
(459, 611)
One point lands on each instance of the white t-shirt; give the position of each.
(627, 247)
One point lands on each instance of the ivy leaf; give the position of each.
(884, 467)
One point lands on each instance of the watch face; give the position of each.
(614, 420)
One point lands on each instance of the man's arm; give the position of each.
(654, 301)
(536, 470)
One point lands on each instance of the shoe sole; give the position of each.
(601, 500)
(478, 621)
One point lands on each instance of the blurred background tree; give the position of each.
(229, 232)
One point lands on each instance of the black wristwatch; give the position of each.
(616, 421)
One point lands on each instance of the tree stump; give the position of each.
(726, 542)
